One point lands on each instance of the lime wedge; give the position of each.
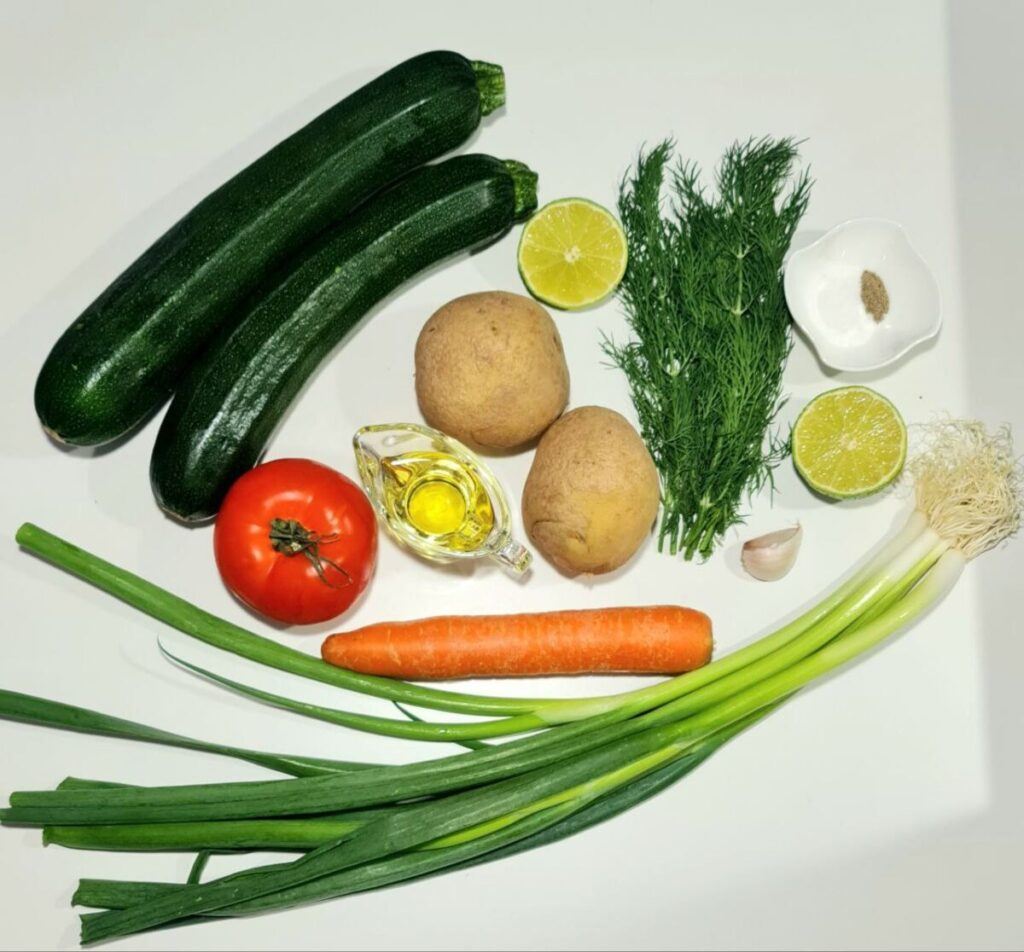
(572, 253)
(849, 442)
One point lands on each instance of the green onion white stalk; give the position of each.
(588, 759)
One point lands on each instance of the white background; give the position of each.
(879, 810)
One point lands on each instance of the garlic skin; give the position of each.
(772, 555)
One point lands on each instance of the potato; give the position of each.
(592, 493)
(490, 370)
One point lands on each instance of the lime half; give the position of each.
(849, 442)
(572, 253)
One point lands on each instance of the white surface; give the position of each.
(823, 291)
(879, 810)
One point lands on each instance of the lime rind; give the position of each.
(885, 480)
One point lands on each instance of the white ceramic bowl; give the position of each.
(822, 283)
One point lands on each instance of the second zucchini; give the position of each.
(226, 409)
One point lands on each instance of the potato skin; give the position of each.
(592, 494)
(491, 371)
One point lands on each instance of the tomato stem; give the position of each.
(290, 537)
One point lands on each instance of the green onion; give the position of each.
(206, 627)
(390, 727)
(276, 834)
(47, 713)
(602, 755)
(714, 681)
(465, 817)
(402, 830)
(521, 714)
(376, 786)
(524, 714)
(116, 894)
(413, 716)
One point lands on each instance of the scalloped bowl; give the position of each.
(822, 284)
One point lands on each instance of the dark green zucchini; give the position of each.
(122, 357)
(225, 411)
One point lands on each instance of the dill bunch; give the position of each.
(703, 295)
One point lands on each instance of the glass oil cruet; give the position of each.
(435, 496)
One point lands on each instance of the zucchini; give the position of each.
(224, 413)
(119, 361)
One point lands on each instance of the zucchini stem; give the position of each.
(490, 83)
(524, 181)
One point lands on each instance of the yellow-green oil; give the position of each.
(439, 497)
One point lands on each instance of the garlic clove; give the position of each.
(772, 555)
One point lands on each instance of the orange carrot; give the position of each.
(659, 639)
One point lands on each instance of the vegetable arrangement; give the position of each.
(235, 307)
(380, 825)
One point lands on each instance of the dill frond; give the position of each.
(711, 331)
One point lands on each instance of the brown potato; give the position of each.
(490, 370)
(592, 493)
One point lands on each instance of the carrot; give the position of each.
(659, 639)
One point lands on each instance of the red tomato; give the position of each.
(296, 541)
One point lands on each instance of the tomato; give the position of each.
(296, 541)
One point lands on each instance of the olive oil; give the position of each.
(435, 496)
(440, 498)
